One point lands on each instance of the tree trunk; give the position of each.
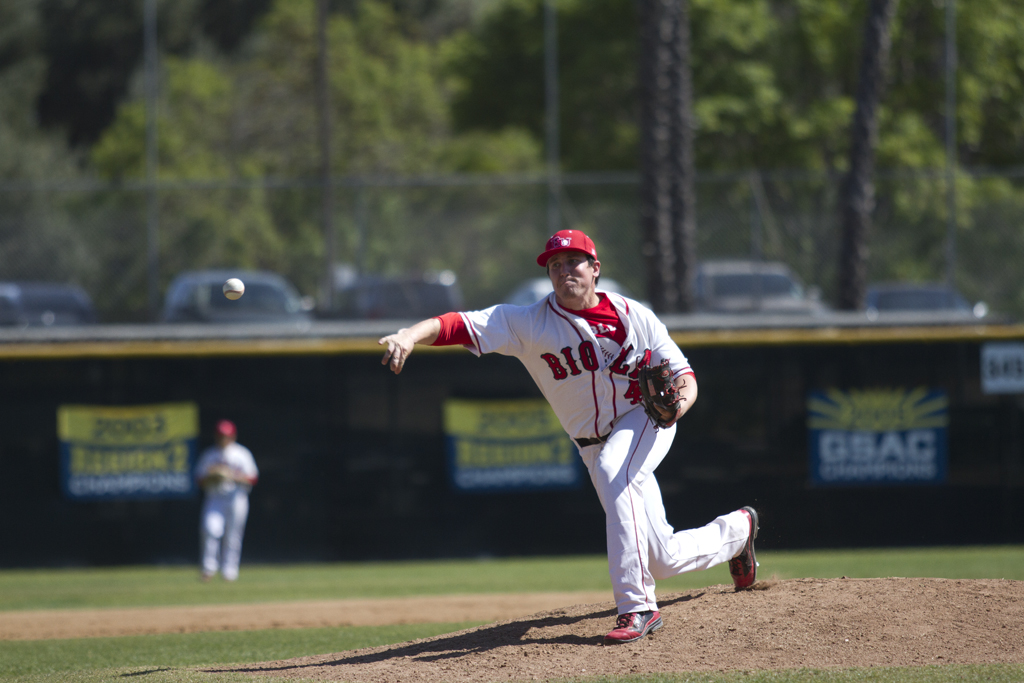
(857, 198)
(684, 207)
(657, 36)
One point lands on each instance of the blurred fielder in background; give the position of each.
(226, 472)
(586, 348)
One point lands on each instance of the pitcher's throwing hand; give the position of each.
(401, 343)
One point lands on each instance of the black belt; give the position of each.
(583, 443)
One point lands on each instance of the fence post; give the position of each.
(326, 187)
(950, 68)
(152, 198)
(551, 114)
(756, 239)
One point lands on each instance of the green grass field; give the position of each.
(162, 658)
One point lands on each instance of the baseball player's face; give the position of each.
(574, 278)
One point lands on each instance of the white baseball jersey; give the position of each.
(589, 381)
(235, 456)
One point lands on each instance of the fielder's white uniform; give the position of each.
(225, 509)
(591, 384)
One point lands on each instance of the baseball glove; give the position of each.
(216, 475)
(659, 393)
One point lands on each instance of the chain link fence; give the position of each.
(488, 230)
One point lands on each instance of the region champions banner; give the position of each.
(880, 436)
(127, 453)
(508, 445)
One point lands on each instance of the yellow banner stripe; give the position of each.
(513, 419)
(128, 425)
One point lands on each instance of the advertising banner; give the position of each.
(508, 445)
(1002, 368)
(129, 452)
(880, 436)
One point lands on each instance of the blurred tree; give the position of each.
(499, 78)
(857, 199)
(254, 116)
(92, 49)
(228, 22)
(774, 83)
(774, 88)
(38, 239)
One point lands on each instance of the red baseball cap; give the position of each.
(226, 428)
(566, 240)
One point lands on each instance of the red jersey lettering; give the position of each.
(588, 356)
(621, 364)
(642, 363)
(633, 392)
(570, 361)
(556, 366)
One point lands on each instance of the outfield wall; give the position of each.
(353, 459)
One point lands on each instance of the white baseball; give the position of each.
(234, 288)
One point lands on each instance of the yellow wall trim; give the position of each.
(687, 339)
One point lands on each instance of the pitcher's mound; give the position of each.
(814, 623)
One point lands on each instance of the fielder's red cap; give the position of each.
(566, 240)
(226, 428)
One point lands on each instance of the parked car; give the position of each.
(533, 290)
(196, 296)
(743, 286)
(908, 296)
(32, 304)
(394, 297)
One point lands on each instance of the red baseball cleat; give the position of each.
(743, 567)
(633, 626)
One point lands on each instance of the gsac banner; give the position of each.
(508, 445)
(127, 453)
(880, 436)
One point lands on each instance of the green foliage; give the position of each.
(28, 152)
(256, 116)
(35, 234)
(773, 82)
(219, 226)
(499, 78)
(92, 48)
(426, 87)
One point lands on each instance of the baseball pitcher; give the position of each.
(618, 384)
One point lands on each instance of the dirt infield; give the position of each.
(779, 624)
(816, 623)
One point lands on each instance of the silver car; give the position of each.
(196, 296)
(743, 286)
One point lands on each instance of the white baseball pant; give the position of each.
(642, 545)
(220, 532)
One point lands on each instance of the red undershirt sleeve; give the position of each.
(453, 331)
